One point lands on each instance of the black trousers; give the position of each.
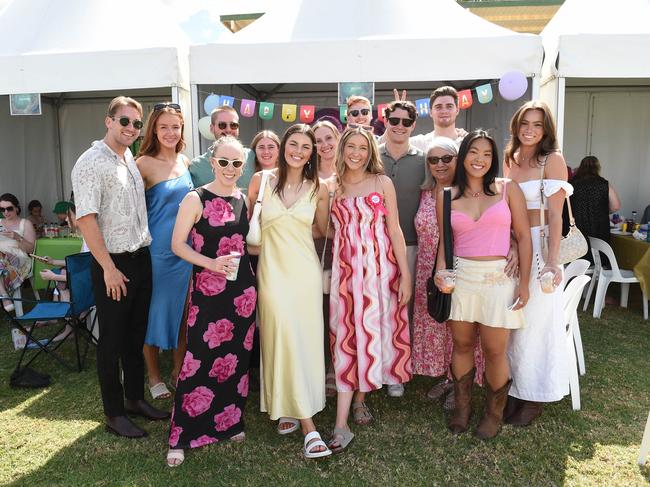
(122, 328)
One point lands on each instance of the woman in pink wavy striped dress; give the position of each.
(371, 285)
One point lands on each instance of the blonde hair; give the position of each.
(358, 99)
(123, 101)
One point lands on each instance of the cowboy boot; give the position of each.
(526, 414)
(513, 405)
(495, 402)
(459, 418)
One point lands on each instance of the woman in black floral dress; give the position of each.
(213, 383)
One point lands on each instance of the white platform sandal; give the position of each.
(312, 441)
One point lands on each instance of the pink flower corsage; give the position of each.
(376, 202)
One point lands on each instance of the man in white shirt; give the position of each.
(443, 109)
(112, 217)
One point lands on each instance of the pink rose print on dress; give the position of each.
(191, 315)
(242, 387)
(218, 212)
(190, 366)
(248, 340)
(224, 367)
(228, 418)
(245, 303)
(202, 441)
(197, 240)
(231, 244)
(197, 402)
(218, 332)
(210, 283)
(174, 435)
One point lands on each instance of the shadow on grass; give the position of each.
(407, 444)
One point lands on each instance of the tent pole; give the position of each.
(195, 108)
(534, 92)
(59, 154)
(561, 94)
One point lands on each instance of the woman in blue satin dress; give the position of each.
(167, 181)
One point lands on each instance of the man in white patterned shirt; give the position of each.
(112, 216)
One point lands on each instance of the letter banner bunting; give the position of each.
(289, 112)
(266, 110)
(422, 106)
(484, 93)
(227, 100)
(247, 108)
(307, 113)
(464, 99)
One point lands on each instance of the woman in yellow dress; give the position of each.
(290, 289)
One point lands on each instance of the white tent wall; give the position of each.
(29, 166)
(612, 124)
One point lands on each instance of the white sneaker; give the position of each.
(396, 390)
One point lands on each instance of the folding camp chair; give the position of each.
(75, 313)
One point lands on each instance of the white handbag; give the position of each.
(254, 236)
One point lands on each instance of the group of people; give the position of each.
(353, 215)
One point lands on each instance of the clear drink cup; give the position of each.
(236, 257)
(546, 282)
(448, 278)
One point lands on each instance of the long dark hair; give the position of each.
(460, 179)
(309, 170)
(547, 145)
(11, 199)
(589, 167)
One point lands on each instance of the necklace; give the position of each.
(475, 195)
(299, 186)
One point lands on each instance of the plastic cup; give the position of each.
(546, 282)
(448, 277)
(232, 276)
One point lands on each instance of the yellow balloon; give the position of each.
(204, 128)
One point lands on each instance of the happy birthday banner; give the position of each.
(512, 86)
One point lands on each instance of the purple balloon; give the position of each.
(513, 85)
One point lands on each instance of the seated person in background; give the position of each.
(61, 212)
(35, 216)
(17, 239)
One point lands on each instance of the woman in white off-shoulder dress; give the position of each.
(538, 355)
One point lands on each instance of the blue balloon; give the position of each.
(210, 103)
(513, 85)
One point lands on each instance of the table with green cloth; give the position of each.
(57, 248)
(633, 254)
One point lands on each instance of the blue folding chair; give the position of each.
(76, 313)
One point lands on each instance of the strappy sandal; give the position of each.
(295, 425)
(361, 414)
(173, 455)
(313, 440)
(341, 438)
(160, 391)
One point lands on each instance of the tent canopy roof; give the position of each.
(365, 40)
(79, 45)
(598, 39)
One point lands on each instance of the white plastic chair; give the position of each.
(623, 276)
(571, 297)
(645, 444)
(574, 269)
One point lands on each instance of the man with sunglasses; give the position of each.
(112, 217)
(224, 121)
(404, 165)
(359, 112)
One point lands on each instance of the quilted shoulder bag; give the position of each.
(439, 303)
(573, 245)
(254, 235)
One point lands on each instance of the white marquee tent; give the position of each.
(596, 77)
(79, 54)
(298, 47)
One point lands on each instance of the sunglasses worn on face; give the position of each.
(223, 162)
(223, 125)
(125, 121)
(433, 160)
(367, 128)
(406, 122)
(160, 106)
(355, 113)
(5, 209)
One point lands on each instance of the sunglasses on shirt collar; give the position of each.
(125, 121)
(367, 128)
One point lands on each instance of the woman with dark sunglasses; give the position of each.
(484, 297)
(432, 341)
(17, 238)
(213, 382)
(167, 181)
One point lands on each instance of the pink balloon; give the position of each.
(513, 85)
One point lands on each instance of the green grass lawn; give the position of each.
(55, 436)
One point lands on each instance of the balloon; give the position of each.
(210, 103)
(513, 85)
(204, 128)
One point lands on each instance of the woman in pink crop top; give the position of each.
(482, 214)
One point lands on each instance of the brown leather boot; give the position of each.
(512, 406)
(495, 401)
(459, 418)
(528, 412)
